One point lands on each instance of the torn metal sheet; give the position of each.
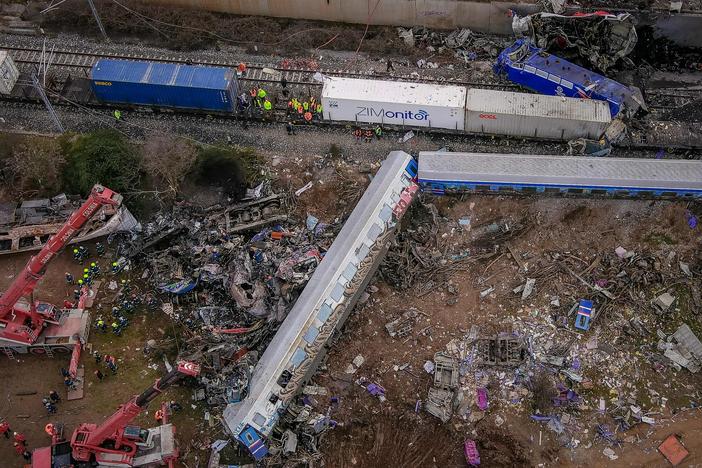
(601, 38)
(30, 225)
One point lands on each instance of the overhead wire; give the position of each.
(365, 32)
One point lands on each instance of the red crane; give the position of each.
(23, 323)
(112, 441)
(115, 442)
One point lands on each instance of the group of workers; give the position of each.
(368, 133)
(19, 440)
(109, 361)
(51, 401)
(307, 110)
(68, 379)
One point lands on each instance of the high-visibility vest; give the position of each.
(319, 108)
(306, 106)
(253, 92)
(267, 105)
(299, 109)
(308, 116)
(262, 93)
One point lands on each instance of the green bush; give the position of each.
(103, 157)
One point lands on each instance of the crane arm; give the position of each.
(33, 272)
(130, 410)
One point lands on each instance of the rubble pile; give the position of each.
(421, 256)
(597, 381)
(600, 38)
(465, 44)
(230, 289)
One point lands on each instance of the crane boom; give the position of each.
(24, 324)
(109, 437)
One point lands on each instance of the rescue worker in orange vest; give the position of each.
(290, 106)
(241, 69)
(358, 133)
(368, 135)
(308, 116)
(159, 416)
(254, 94)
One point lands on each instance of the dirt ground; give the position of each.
(35, 376)
(391, 433)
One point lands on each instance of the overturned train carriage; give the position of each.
(297, 348)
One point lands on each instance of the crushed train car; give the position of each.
(531, 67)
(599, 37)
(29, 225)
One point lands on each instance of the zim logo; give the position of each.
(488, 116)
(404, 115)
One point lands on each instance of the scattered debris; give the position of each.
(664, 301)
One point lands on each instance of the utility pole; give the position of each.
(98, 20)
(52, 113)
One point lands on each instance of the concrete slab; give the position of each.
(78, 393)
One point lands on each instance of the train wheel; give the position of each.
(61, 350)
(37, 351)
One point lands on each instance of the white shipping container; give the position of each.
(8, 73)
(394, 103)
(535, 115)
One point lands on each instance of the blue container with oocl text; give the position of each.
(164, 85)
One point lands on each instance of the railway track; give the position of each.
(84, 60)
(27, 57)
(78, 63)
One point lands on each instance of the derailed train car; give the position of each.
(297, 348)
(165, 85)
(441, 173)
(527, 65)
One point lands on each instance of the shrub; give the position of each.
(36, 165)
(169, 160)
(104, 157)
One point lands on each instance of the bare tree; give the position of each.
(36, 166)
(168, 159)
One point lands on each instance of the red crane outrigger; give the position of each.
(22, 323)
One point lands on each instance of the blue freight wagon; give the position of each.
(212, 89)
(531, 67)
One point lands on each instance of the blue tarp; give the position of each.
(180, 287)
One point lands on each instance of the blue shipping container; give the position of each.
(531, 67)
(165, 85)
